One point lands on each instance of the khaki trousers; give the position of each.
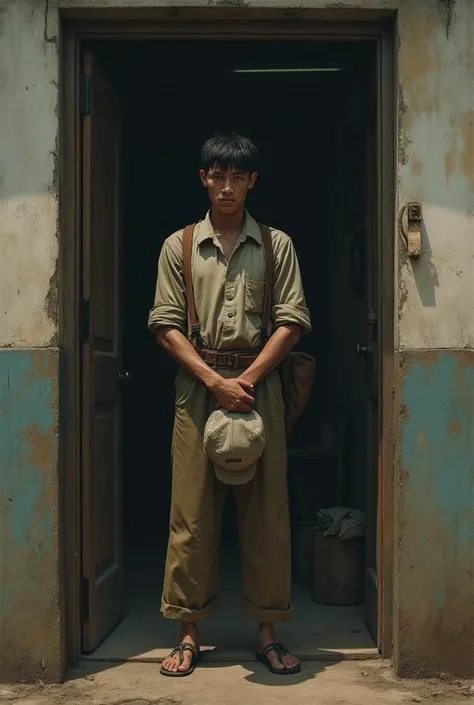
(191, 576)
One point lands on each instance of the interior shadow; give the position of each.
(298, 192)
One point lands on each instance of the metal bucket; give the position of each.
(338, 570)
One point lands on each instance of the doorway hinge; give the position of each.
(372, 316)
(85, 94)
(85, 600)
(84, 320)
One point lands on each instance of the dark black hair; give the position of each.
(230, 151)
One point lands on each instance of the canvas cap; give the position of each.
(234, 441)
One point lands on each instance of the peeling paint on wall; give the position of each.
(29, 513)
(436, 632)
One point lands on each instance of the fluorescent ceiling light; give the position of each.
(291, 70)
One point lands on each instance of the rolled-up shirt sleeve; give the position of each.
(170, 306)
(288, 300)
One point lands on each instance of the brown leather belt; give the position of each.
(229, 360)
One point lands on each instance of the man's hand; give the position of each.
(234, 394)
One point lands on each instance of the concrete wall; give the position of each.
(434, 579)
(29, 480)
(435, 326)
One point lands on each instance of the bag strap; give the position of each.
(267, 307)
(188, 280)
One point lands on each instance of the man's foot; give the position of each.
(189, 635)
(278, 659)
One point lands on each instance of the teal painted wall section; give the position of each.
(29, 514)
(434, 575)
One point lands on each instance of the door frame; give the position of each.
(337, 25)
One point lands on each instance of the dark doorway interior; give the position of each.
(311, 128)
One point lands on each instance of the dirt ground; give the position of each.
(343, 683)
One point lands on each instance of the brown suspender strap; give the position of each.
(188, 280)
(267, 307)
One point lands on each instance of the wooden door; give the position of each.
(369, 350)
(358, 181)
(371, 361)
(102, 563)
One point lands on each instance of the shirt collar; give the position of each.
(250, 228)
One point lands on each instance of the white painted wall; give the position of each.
(28, 185)
(436, 166)
(436, 163)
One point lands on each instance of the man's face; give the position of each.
(227, 188)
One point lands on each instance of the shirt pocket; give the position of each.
(254, 294)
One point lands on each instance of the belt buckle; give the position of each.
(212, 360)
(228, 360)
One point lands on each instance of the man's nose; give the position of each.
(227, 188)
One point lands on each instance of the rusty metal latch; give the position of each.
(411, 234)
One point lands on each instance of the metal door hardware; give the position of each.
(125, 377)
(363, 351)
(411, 233)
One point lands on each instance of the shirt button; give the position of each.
(230, 315)
(229, 297)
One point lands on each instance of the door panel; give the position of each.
(102, 562)
(358, 177)
(372, 363)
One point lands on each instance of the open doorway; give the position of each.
(314, 125)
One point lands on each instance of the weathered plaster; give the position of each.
(436, 153)
(29, 79)
(434, 577)
(29, 495)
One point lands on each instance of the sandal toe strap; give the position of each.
(279, 649)
(181, 648)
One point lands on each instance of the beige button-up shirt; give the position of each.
(229, 295)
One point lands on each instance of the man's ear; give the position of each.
(252, 179)
(203, 177)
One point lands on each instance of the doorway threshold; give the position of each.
(316, 633)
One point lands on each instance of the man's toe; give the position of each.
(186, 664)
(290, 661)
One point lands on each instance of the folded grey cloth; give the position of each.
(341, 522)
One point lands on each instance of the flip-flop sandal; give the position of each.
(280, 651)
(180, 649)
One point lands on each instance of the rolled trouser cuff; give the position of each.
(186, 614)
(265, 615)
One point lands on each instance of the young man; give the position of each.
(228, 276)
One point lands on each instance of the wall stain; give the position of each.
(48, 39)
(403, 138)
(52, 301)
(402, 290)
(455, 427)
(429, 358)
(416, 167)
(459, 157)
(466, 124)
(227, 3)
(52, 297)
(448, 6)
(404, 412)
